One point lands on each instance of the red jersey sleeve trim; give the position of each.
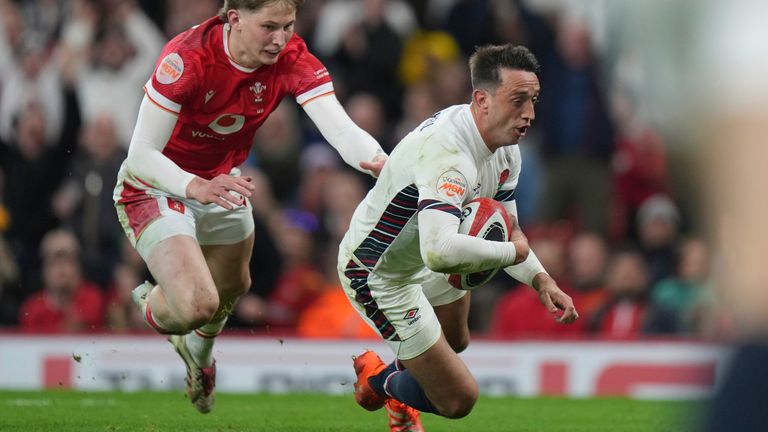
(321, 90)
(315, 97)
(158, 99)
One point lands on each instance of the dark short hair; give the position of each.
(487, 61)
(253, 5)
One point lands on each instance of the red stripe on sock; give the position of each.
(205, 335)
(151, 321)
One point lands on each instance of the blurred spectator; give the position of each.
(66, 302)
(578, 132)
(418, 104)
(84, 202)
(586, 260)
(452, 83)
(367, 57)
(639, 164)
(318, 162)
(109, 57)
(682, 297)
(183, 14)
(368, 113)
(624, 313)
(276, 148)
(423, 52)
(332, 316)
(658, 224)
(300, 282)
(33, 169)
(518, 313)
(337, 16)
(266, 262)
(122, 315)
(9, 276)
(31, 78)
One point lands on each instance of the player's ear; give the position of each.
(480, 98)
(233, 17)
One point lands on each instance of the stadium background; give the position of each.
(608, 197)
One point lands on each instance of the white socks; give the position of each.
(200, 343)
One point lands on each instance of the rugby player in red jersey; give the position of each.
(179, 195)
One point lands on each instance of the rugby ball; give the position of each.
(488, 219)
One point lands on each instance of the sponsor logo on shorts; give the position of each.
(170, 69)
(452, 185)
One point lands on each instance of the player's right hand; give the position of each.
(217, 190)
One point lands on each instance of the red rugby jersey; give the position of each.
(221, 103)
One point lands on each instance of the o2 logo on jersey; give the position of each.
(226, 124)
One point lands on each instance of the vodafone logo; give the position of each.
(170, 69)
(226, 124)
(452, 185)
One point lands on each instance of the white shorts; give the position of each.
(149, 216)
(402, 313)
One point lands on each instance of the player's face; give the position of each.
(265, 32)
(510, 108)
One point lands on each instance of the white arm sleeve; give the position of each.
(528, 269)
(444, 250)
(145, 158)
(353, 143)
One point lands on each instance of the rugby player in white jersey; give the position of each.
(178, 195)
(404, 238)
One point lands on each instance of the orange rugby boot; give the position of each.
(366, 365)
(403, 418)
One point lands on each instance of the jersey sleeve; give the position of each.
(444, 178)
(308, 78)
(175, 79)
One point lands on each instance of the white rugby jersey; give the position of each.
(441, 165)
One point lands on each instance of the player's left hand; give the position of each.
(554, 299)
(375, 165)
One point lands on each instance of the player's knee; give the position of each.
(459, 407)
(459, 342)
(198, 312)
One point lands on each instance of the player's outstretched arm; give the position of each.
(356, 146)
(554, 299)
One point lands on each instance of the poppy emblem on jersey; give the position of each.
(411, 313)
(176, 205)
(452, 185)
(226, 124)
(503, 177)
(170, 69)
(257, 89)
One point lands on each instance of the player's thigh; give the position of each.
(163, 231)
(445, 379)
(229, 265)
(453, 319)
(179, 268)
(452, 309)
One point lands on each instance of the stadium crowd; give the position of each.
(604, 196)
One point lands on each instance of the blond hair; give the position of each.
(253, 5)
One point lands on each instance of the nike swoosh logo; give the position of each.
(209, 95)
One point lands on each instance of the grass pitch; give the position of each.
(156, 412)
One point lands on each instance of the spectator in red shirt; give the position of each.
(624, 313)
(66, 303)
